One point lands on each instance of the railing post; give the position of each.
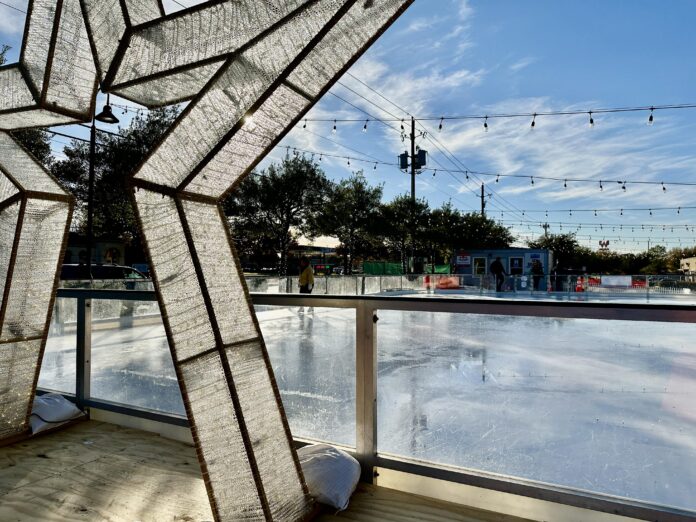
(366, 388)
(83, 351)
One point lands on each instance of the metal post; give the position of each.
(90, 197)
(83, 351)
(366, 388)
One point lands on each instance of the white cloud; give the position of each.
(11, 20)
(465, 11)
(522, 63)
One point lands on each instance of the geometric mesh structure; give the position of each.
(251, 69)
(34, 216)
(54, 82)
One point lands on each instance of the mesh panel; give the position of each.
(171, 89)
(14, 92)
(179, 41)
(33, 118)
(8, 228)
(272, 450)
(141, 11)
(34, 272)
(38, 40)
(220, 270)
(106, 27)
(220, 440)
(230, 97)
(7, 188)
(175, 273)
(18, 365)
(24, 169)
(72, 81)
(344, 40)
(249, 143)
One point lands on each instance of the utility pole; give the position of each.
(413, 162)
(483, 200)
(546, 229)
(418, 159)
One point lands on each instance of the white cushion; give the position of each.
(331, 474)
(51, 410)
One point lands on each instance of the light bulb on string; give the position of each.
(595, 213)
(664, 189)
(623, 187)
(497, 178)
(375, 167)
(435, 172)
(532, 179)
(439, 129)
(466, 173)
(321, 157)
(402, 126)
(305, 124)
(349, 162)
(601, 187)
(334, 130)
(365, 126)
(678, 210)
(591, 121)
(650, 211)
(621, 213)
(533, 121)
(485, 124)
(650, 118)
(565, 184)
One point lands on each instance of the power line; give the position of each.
(13, 7)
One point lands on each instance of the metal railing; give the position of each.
(556, 285)
(367, 310)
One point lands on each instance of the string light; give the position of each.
(532, 179)
(334, 130)
(664, 189)
(439, 129)
(650, 119)
(591, 120)
(600, 186)
(565, 184)
(365, 126)
(485, 124)
(497, 179)
(305, 124)
(533, 120)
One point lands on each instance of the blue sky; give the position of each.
(458, 57)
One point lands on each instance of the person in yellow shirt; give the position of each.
(306, 276)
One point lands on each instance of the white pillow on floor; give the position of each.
(51, 410)
(331, 474)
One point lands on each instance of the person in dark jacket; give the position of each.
(498, 271)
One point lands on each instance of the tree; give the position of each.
(117, 157)
(565, 247)
(351, 216)
(36, 141)
(480, 232)
(403, 225)
(279, 203)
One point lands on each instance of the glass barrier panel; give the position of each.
(598, 405)
(131, 362)
(58, 365)
(312, 351)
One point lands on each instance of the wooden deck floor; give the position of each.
(101, 472)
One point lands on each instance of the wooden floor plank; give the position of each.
(101, 472)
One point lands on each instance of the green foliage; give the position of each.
(277, 205)
(351, 216)
(116, 158)
(403, 226)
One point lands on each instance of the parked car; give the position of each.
(116, 272)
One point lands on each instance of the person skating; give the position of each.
(498, 271)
